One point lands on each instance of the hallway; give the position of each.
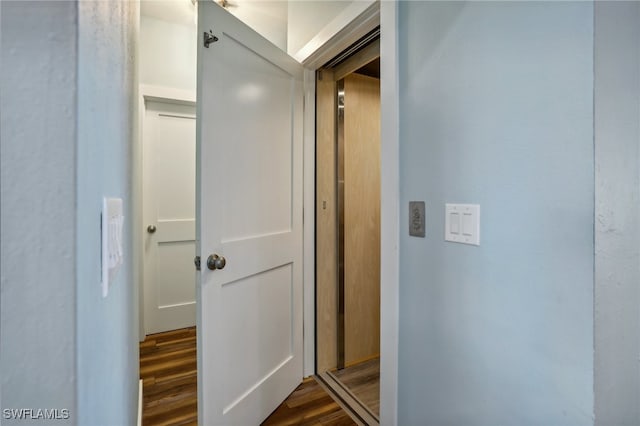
(170, 396)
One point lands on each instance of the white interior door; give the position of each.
(169, 179)
(250, 99)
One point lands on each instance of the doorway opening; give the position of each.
(348, 227)
(310, 363)
(167, 351)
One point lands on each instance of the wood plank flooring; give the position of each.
(309, 404)
(170, 397)
(169, 378)
(363, 380)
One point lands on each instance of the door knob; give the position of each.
(216, 262)
(151, 229)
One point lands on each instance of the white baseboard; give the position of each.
(140, 403)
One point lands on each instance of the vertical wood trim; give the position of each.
(362, 217)
(326, 226)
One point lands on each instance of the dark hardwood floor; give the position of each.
(169, 378)
(170, 397)
(309, 404)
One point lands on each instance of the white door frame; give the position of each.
(356, 21)
(389, 213)
(148, 93)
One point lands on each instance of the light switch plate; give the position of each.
(416, 219)
(112, 249)
(462, 223)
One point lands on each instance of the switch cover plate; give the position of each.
(416, 219)
(462, 223)
(112, 242)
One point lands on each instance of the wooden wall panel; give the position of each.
(362, 217)
(326, 225)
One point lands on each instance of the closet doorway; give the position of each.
(348, 226)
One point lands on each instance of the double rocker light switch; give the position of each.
(462, 223)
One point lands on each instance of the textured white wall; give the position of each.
(168, 46)
(267, 17)
(38, 133)
(167, 54)
(617, 149)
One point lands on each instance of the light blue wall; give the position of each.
(617, 149)
(68, 108)
(38, 134)
(496, 109)
(107, 328)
